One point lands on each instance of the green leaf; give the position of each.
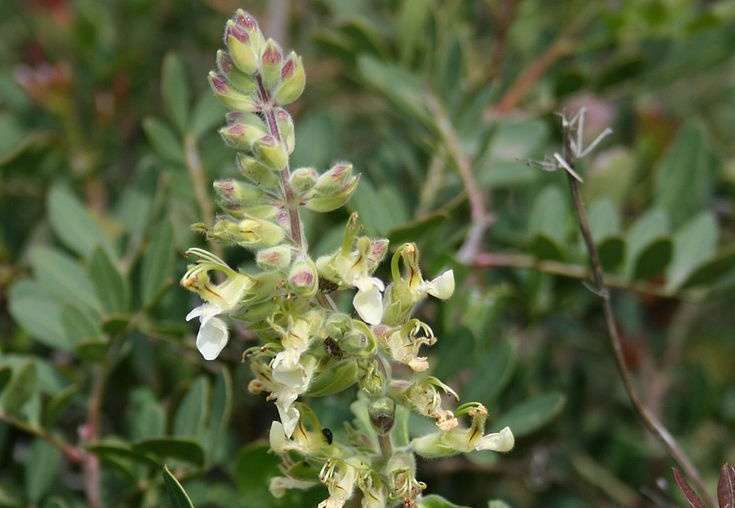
(654, 259)
(177, 496)
(82, 325)
(492, 373)
(376, 215)
(220, 417)
(684, 177)
(20, 389)
(146, 417)
(254, 466)
(694, 244)
(175, 91)
(711, 272)
(115, 451)
(400, 432)
(496, 503)
(434, 501)
(41, 470)
(191, 416)
(398, 85)
(72, 222)
(39, 314)
(64, 278)
(532, 414)
(610, 176)
(164, 141)
(172, 448)
(208, 113)
(58, 403)
(548, 223)
(604, 221)
(112, 288)
(651, 228)
(158, 262)
(412, 20)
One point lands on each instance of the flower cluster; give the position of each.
(308, 347)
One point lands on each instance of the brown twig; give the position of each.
(503, 17)
(90, 433)
(651, 422)
(523, 84)
(518, 260)
(481, 218)
(73, 453)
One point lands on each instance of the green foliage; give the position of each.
(96, 195)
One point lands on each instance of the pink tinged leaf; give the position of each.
(726, 486)
(694, 500)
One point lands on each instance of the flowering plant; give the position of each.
(308, 346)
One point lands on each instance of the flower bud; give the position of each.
(270, 64)
(374, 380)
(242, 134)
(328, 202)
(224, 229)
(303, 278)
(336, 377)
(256, 232)
(278, 257)
(303, 179)
(270, 152)
(233, 192)
(241, 81)
(382, 414)
(286, 129)
(334, 179)
(240, 47)
(229, 96)
(376, 252)
(293, 80)
(256, 171)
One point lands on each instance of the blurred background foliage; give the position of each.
(108, 144)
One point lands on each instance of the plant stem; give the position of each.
(651, 422)
(386, 447)
(297, 235)
(481, 218)
(198, 178)
(72, 453)
(551, 267)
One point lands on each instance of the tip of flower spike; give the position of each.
(236, 31)
(245, 19)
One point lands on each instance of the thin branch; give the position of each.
(72, 453)
(523, 84)
(479, 202)
(90, 433)
(517, 260)
(651, 422)
(503, 17)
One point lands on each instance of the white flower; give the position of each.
(502, 441)
(291, 378)
(368, 300)
(213, 333)
(441, 287)
(340, 478)
(280, 484)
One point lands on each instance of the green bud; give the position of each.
(242, 134)
(359, 339)
(240, 47)
(337, 324)
(382, 414)
(327, 202)
(270, 152)
(293, 80)
(374, 380)
(233, 192)
(256, 171)
(225, 230)
(229, 96)
(286, 129)
(241, 81)
(266, 285)
(278, 257)
(334, 179)
(270, 64)
(256, 232)
(303, 278)
(336, 377)
(303, 179)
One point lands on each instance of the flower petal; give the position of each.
(442, 287)
(502, 441)
(289, 415)
(212, 337)
(369, 304)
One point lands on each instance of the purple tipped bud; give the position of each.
(245, 20)
(303, 277)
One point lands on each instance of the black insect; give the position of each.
(332, 347)
(327, 435)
